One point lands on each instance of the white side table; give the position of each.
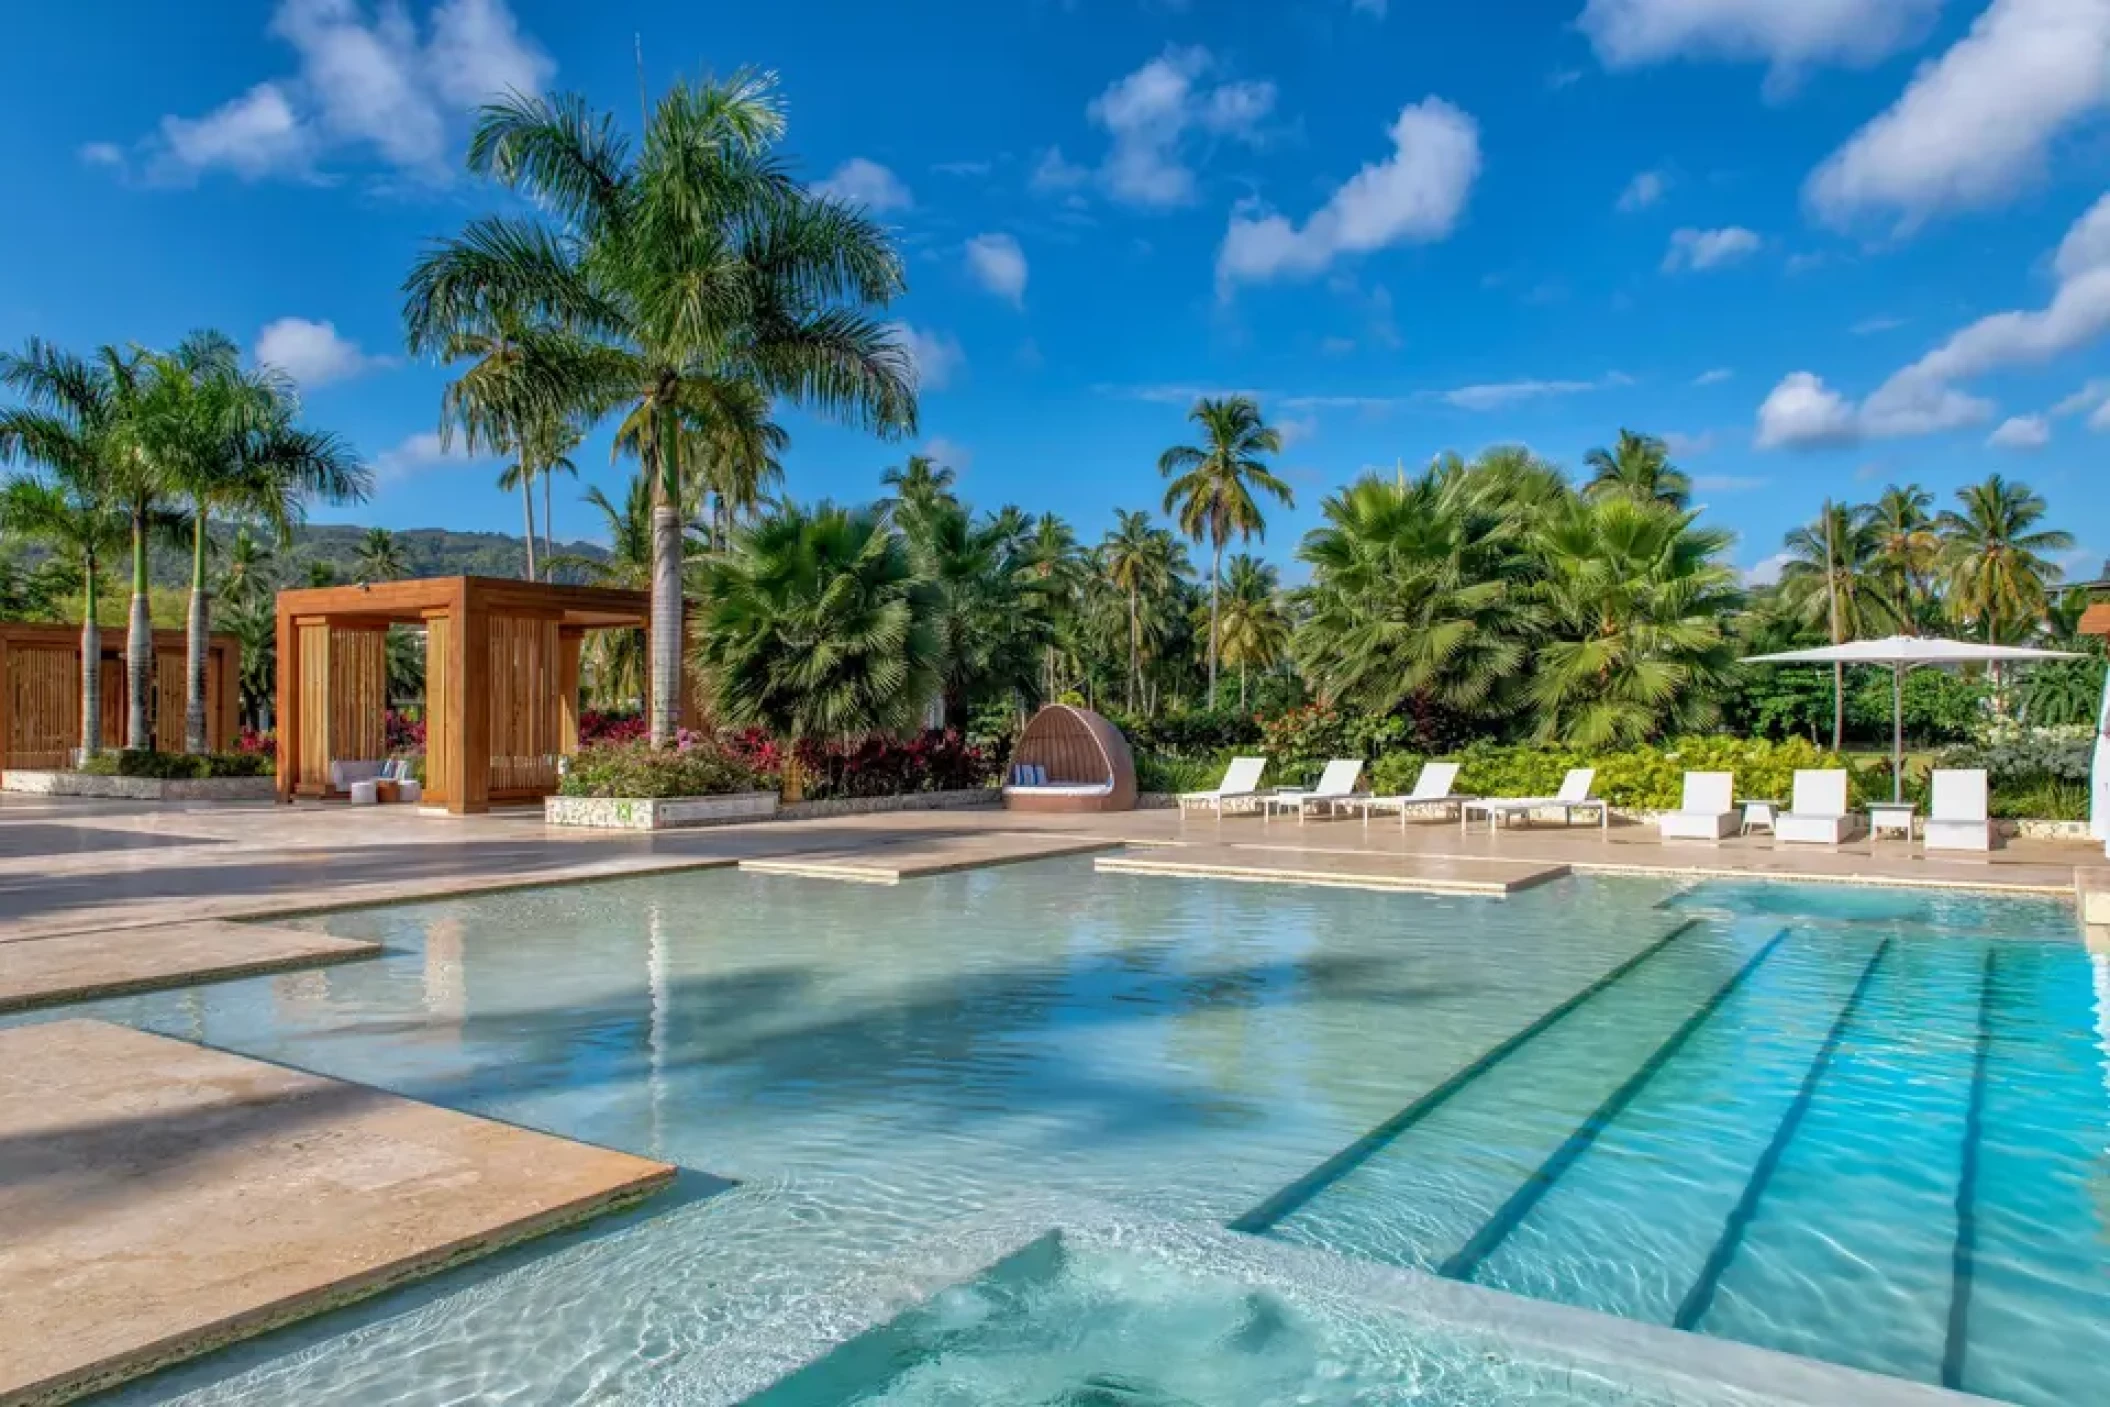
(1892, 816)
(1759, 812)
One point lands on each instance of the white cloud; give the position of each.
(420, 451)
(312, 353)
(1415, 195)
(371, 85)
(1804, 413)
(1868, 327)
(102, 154)
(2092, 397)
(2021, 432)
(1499, 394)
(937, 355)
(1685, 445)
(999, 265)
(1296, 431)
(1767, 571)
(1788, 35)
(1709, 249)
(1728, 483)
(1149, 114)
(867, 183)
(949, 454)
(1643, 191)
(1714, 377)
(1973, 128)
(1057, 173)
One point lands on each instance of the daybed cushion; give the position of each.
(1062, 789)
(343, 774)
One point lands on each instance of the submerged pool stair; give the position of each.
(1426, 1188)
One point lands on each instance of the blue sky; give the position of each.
(1820, 245)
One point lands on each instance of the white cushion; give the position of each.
(1959, 795)
(344, 774)
(1062, 789)
(366, 793)
(1698, 825)
(1811, 830)
(1958, 835)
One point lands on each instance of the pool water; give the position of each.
(1867, 1126)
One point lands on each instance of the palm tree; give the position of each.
(1256, 629)
(1829, 583)
(818, 626)
(246, 575)
(1993, 558)
(1637, 603)
(1212, 487)
(224, 441)
(921, 480)
(989, 621)
(1638, 466)
(254, 625)
(381, 557)
(664, 273)
(1139, 563)
(518, 475)
(1906, 549)
(733, 445)
(615, 660)
(553, 455)
(1420, 594)
(73, 424)
(1054, 563)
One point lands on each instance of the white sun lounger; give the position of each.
(1431, 789)
(1336, 786)
(1707, 811)
(1957, 818)
(1573, 796)
(1240, 786)
(1818, 813)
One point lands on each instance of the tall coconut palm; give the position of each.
(1138, 561)
(817, 625)
(1420, 592)
(1256, 629)
(1637, 602)
(733, 445)
(1211, 493)
(224, 442)
(1052, 560)
(380, 556)
(247, 572)
(690, 259)
(1638, 466)
(519, 475)
(73, 423)
(553, 441)
(1994, 558)
(1829, 583)
(1906, 548)
(921, 480)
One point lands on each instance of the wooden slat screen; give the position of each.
(170, 688)
(524, 712)
(439, 689)
(315, 708)
(116, 702)
(358, 695)
(44, 707)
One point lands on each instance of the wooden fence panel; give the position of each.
(525, 721)
(44, 706)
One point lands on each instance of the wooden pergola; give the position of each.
(501, 680)
(40, 692)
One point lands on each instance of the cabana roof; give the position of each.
(409, 602)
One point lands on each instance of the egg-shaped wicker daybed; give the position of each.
(1070, 759)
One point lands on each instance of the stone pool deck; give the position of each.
(82, 966)
(158, 1199)
(1336, 869)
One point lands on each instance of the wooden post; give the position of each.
(570, 639)
(286, 709)
(7, 702)
(469, 710)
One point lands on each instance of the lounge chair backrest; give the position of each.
(1243, 775)
(1959, 795)
(1576, 785)
(1820, 793)
(1339, 778)
(1708, 793)
(1436, 779)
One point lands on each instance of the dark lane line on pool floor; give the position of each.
(1286, 1202)
(1964, 1260)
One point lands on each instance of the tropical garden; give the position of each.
(678, 287)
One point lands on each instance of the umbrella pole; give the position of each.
(1897, 732)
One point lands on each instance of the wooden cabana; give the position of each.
(40, 692)
(501, 681)
(1070, 759)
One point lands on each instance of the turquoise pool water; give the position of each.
(1864, 1126)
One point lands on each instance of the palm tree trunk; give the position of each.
(1241, 686)
(1216, 581)
(527, 504)
(549, 518)
(194, 642)
(1135, 649)
(91, 667)
(666, 596)
(1838, 706)
(139, 644)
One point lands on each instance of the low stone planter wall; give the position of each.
(874, 805)
(671, 813)
(138, 788)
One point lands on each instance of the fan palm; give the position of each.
(615, 659)
(224, 442)
(691, 260)
(1211, 493)
(380, 556)
(1638, 466)
(73, 424)
(1994, 558)
(818, 626)
(1256, 629)
(1637, 602)
(1829, 583)
(1419, 591)
(989, 620)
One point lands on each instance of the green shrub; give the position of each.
(1160, 772)
(639, 771)
(179, 766)
(2040, 799)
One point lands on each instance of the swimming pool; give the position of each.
(1866, 1126)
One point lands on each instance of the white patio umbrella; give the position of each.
(1903, 652)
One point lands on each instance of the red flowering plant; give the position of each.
(404, 733)
(262, 744)
(597, 727)
(874, 766)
